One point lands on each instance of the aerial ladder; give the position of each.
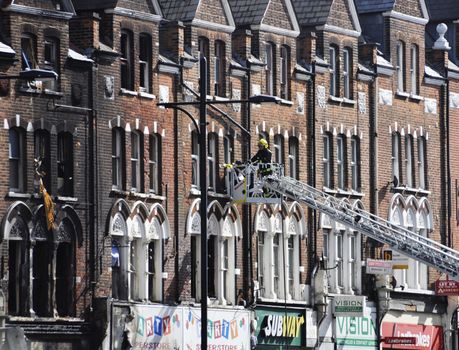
(248, 183)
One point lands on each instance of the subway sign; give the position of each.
(280, 327)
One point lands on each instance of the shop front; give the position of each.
(284, 328)
(414, 331)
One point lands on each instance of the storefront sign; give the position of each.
(357, 333)
(399, 261)
(379, 267)
(446, 287)
(427, 337)
(227, 329)
(155, 327)
(280, 326)
(399, 340)
(348, 305)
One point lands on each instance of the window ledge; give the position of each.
(66, 199)
(118, 192)
(136, 194)
(329, 190)
(412, 291)
(217, 195)
(335, 99)
(195, 191)
(416, 98)
(147, 95)
(29, 90)
(348, 101)
(286, 102)
(348, 193)
(53, 93)
(13, 194)
(281, 300)
(402, 94)
(124, 91)
(220, 98)
(411, 190)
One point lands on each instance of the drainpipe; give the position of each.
(448, 163)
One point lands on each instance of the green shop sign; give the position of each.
(356, 333)
(279, 327)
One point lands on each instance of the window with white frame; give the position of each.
(409, 161)
(270, 68)
(51, 60)
(355, 163)
(158, 230)
(120, 257)
(127, 59)
(293, 157)
(400, 66)
(284, 72)
(352, 260)
(277, 261)
(212, 159)
(341, 160)
(145, 54)
(396, 158)
(414, 69)
(227, 261)
(333, 69)
(422, 162)
(347, 72)
(278, 149)
(155, 163)
(196, 267)
(326, 246)
(17, 159)
(293, 258)
(421, 269)
(137, 267)
(118, 158)
(136, 161)
(261, 261)
(339, 263)
(327, 160)
(219, 68)
(194, 159)
(264, 255)
(42, 152)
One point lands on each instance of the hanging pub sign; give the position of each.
(348, 305)
(279, 327)
(446, 287)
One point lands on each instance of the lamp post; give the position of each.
(202, 103)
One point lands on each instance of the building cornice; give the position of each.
(121, 11)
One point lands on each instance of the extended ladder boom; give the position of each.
(398, 238)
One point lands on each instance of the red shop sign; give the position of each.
(446, 287)
(427, 337)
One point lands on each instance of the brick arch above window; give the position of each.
(43, 124)
(120, 207)
(117, 122)
(158, 214)
(16, 210)
(66, 126)
(67, 212)
(29, 28)
(17, 121)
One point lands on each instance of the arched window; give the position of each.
(120, 257)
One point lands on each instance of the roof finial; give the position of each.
(441, 43)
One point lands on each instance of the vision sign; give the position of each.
(356, 333)
(348, 305)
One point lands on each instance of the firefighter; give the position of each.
(263, 156)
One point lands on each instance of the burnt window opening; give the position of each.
(145, 54)
(41, 271)
(43, 155)
(51, 62)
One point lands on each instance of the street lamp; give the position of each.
(202, 103)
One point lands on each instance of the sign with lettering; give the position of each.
(399, 261)
(280, 327)
(357, 333)
(400, 340)
(426, 337)
(348, 305)
(379, 267)
(446, 287)
(227, 329)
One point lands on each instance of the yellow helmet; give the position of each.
(263, 142)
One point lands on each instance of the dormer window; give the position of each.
(270, 72)
(126, 60)
(400, 67)
(334, 81)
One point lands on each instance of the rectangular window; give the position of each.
(29, 52)
(326, 160)
(293, 157)
(341, 160)
(400, 67)
(194, 159)
(339, 259)
(227, 158)
(396, 158)
(17, 159)
(422, 162)
(355, 164)
(203, 46)
(212, 161)
(352, 261)
(145, 62)
(347, 72)
(269, 54)
(132, 273)
(136, 161)
(151, 272)
(290, 253)
(225, 266)
(219, 69)
(278, 149)
(261, 261)
(211, 266)
(51, 61)
(326, 246)
(414, 70)
(284, 73)
(126, 60)
(154, 163)
(65, 164)
(43, 153)
(276, 264)
(409, 161)
(333, 71)
(118, 158)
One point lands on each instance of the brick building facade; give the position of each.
(367, 99)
